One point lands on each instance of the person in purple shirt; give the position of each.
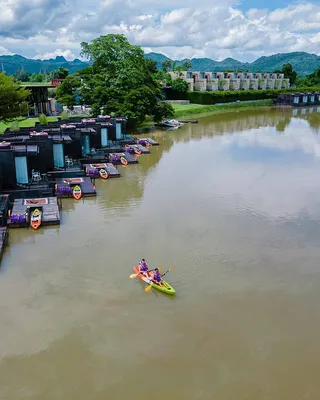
(143, 267)
(157, 277)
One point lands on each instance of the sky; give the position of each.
(241, 29)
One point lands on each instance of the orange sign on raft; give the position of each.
(32, 202)
(98, 166)
(73, 180)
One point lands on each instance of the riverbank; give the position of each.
(197, 110)
(185, 111)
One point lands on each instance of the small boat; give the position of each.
(77, 192)
(35, 219)
(123, 161)
(137, 151)
(171, 123)
(143, 142)
(166, 288)
(103, 174)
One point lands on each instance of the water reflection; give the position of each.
(232, 202)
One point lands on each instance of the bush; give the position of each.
(65, 115)
(43, 119)
(209, 98)
(14, 127)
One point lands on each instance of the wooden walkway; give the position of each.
(4, 238)
(20, 214)
(87, 187)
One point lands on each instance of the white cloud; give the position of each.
(4, 51)
(194, 30)
(67, 54)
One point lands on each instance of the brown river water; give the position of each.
(234, 204)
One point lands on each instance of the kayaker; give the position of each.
(143, 267)
(157, 277)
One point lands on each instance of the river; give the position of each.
(234, 204)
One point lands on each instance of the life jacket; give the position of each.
(143, 266)
(157, 276)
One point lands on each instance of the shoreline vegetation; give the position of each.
(181, 111)
(196, 110)
(193, 111)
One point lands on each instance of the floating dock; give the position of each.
(93, 170)
(143, 149)
(188, 121)
(116, 157)
(67, 172)
(22, 208)
(64, 186)
(149, 140)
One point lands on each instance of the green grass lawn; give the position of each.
(191, 110)
(30, 122)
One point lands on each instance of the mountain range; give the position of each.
(11, 64)
(303, 63)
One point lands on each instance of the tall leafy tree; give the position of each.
(121, 80)
(13, 98)
(67, 92)
(166, 65)
(289, 72)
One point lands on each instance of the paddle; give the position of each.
(135, 275)
(150, 286)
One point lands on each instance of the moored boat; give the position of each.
(103, 174)
(123, 161)
(35, 219)
(166, 288)
(77, 192)
(171, 123)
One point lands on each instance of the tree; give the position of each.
(63, 73)
(187, 65)
(22, 76)
(67, 92)
(37, 77)
(312, 79)
(288, 72)
(180, 85)
(120, 80)
(13, 98)
(166, 65)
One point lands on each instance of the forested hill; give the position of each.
(303, 63)
(12, 64)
